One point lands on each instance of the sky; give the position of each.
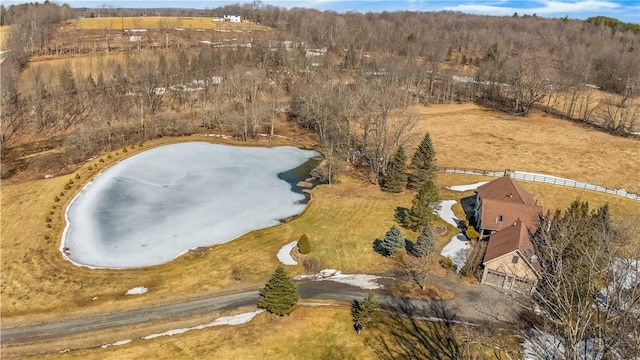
(624, 10)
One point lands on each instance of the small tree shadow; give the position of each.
(410, 246)
(377, 247)
(401, 214)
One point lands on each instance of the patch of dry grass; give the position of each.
(469, 136)
(160, 22)
(308, 333)
(4, 32)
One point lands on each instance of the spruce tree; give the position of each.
(392, 242)
(396, 176)
(423, 208)
(424, 243)
(364, 312)
(423, 164)
(280, 294)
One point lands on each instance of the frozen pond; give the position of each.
(156, 205)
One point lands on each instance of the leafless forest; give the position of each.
(349, 78)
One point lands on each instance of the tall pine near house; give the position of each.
(423, 207)
(396, 176)
(423, 164)
(280, 294)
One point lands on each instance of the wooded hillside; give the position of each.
(350, 78)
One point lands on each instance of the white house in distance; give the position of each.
(231, 16)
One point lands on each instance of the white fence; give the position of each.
(547, 179)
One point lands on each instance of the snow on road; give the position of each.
(466, 187)
(284, 255)
(363, 281)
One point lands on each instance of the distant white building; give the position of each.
(231, 16)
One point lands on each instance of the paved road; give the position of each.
(327, 290)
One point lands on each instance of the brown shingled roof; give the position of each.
(504, 201)
(493, 210)
(509, 239)
(506, 189)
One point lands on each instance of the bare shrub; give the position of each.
(312, 265)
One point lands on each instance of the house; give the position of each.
(510, 261)
(231, 16)
(500, 202)
(505, 214)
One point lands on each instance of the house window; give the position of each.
(515, 259)
(500, 218)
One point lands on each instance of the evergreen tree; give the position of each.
(424, 243)
(424, 206)
(303, 244)
(280, 294)
(364, 312)
(423, 164)
(396, 176)
(392, 242)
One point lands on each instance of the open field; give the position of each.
(469, 136)
(159, 22)
(4, 31)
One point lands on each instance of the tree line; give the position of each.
(342, 78)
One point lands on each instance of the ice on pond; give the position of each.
(156, 205)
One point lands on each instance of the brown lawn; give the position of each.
(469, 136)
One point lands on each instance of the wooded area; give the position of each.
(350, 78)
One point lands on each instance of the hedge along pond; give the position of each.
(152, 207)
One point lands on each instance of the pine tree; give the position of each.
(364, 312)
(424, 206)
(424, 243)
(396, 176)
(392, 242)
(423, 164)
(280, 294)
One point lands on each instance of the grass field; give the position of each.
(469, 136)
(160, 22)
(4, 32)
(321, 332)
(342, 221)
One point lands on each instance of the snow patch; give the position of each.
(117, 343)
(284, 255)
(311, 304)
(137, 290)
(467, 187)
(458, 250)
(225, 320)
(541, 345)
(446, 213)
(363, 281)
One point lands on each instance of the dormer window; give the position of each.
(500, 218)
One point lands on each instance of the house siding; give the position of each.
(502, 272)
